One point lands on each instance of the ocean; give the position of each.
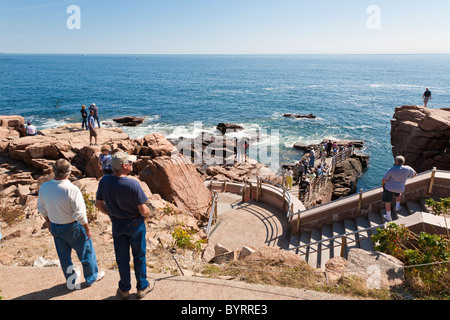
(352, 96)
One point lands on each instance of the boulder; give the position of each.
(422, 136)
(158, 145)
(129, 121)
(335, 268)
(380, 270)
(277, 256)
(345, 176)
(228, 127)
(177, 180)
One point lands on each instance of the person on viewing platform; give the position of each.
(123, 200)
(289, 177)
(62, 205)
(393, 184)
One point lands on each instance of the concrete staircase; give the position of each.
(318, 254)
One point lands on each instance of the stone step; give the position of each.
(305, 238)
(314, 253)
(364, 242)
(352, 240)
(413, 207)
(327, 252)
(294, 242)
(402, 213)
(338, 228)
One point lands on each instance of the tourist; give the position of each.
(426, 97)
(298, 172)
(303, 187)
(84, 115)
(319, 170)
(305, 166)
(311, 174)
(289, 177)
(92, 132)
(240, 150)
(393, 184)
(329, 146)
(62, 205)
(123, 199)
(31, 130)
(312, 157)
(94, 108)
(335, 148)
(105, 160)
(323, 153)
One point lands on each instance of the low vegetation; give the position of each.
(425, 257)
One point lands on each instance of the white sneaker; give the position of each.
(100, 276)
(387, 218)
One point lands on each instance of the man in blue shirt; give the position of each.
(123, 199)
(394, 184)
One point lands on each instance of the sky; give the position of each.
(225, 26)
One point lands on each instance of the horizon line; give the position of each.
(235, 54)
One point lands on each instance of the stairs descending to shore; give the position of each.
(317, 254)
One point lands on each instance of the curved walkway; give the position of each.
(249, 224)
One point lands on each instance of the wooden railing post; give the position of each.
(358, 211)
(344, 243)
(433, 174)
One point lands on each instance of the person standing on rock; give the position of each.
(393, 184)
(84, 116)
(91, 124)
(123, 199)
(94, 108)
(62, 205)
(426, 97)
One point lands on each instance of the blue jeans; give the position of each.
(130, 233)
(84, 124)
(72, 236)
(311, 162)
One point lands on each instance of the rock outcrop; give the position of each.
(11, 126)
(176, 179)
(228, 127)
(170, 180)
(422, 136)
(345, 177)
(129, 121)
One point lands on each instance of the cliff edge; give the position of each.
(422, 136)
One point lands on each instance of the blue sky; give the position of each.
(225, 27)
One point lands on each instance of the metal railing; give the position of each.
(362, 193)
(343, 243)
(212, 212)
(285, 194)
(344, 237)
(318, 182)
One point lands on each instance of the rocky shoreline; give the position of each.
(174, 185)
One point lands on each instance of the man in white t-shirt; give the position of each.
(394, 184)
(62, 205)
(31, 130)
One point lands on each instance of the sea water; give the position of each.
(352, 96)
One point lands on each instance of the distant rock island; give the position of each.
(294, 115)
